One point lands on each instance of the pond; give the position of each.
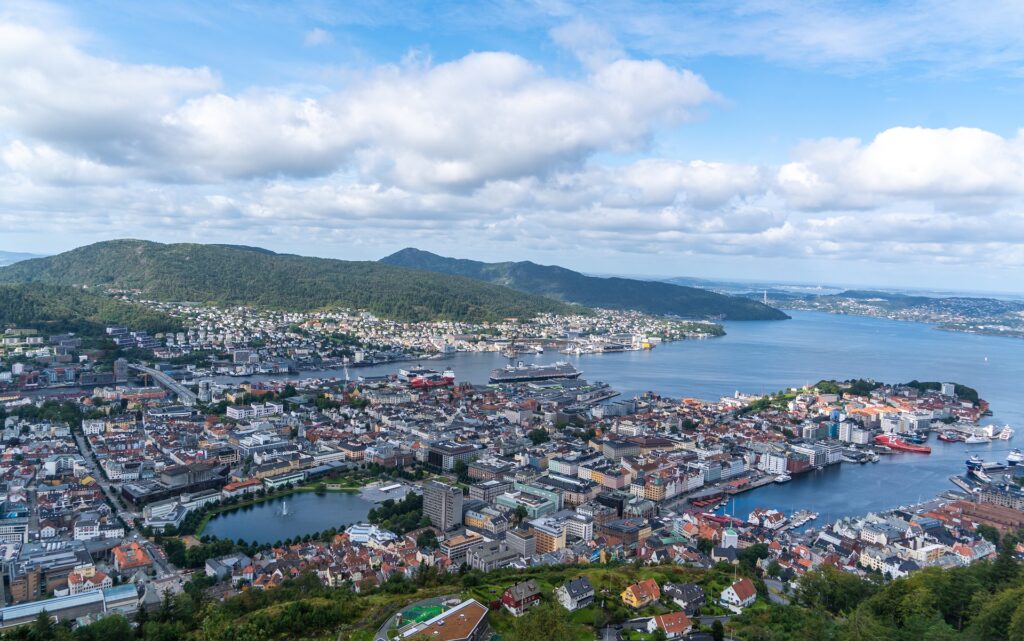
(290, 516)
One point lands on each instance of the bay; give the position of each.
(765, 356)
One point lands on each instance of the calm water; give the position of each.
(307, 512)
(768, 356)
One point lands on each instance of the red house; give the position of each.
(521, 596)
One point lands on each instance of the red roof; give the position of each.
(744, 589)
(673, 623)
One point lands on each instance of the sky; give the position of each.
(863, 142)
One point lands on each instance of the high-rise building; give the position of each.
(442, 504)
(121, 370)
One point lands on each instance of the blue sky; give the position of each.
(866, 143)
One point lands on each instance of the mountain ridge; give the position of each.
(224, 274)
(566, 285)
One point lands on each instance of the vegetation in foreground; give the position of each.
(982, 602)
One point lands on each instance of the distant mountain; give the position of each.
(56, 309)
(236, 275)
(563, 284)
(9, 258)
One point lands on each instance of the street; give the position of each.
(160, 563)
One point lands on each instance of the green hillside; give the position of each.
(234, 275)
(612, 293)
(55, 309)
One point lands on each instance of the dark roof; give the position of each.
(523, 590)
(579, 587)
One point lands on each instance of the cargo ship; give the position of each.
(900, 445)
(521, 373)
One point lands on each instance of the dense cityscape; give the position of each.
(124, 452)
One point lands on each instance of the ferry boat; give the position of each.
(1006, 434)
(975, 439)
(406, 375)
(900, 445)
(1014, 457)
(783, 478)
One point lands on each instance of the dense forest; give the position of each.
(224, 274)
(55, 309)
(651, 297)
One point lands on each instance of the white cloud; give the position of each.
(902, 162)
(488, 147)
(317, 37)
(946, 35)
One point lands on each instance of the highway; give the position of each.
(185, 395)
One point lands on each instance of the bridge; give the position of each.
(184, 394)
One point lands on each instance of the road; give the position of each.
(775, 592)
(185, 395)
(160, 563)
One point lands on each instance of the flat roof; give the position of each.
(453, 625)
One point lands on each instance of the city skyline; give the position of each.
(831, 144)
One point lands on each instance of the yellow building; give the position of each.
(641, 593)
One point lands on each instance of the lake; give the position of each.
(765, 356)
(306, 513)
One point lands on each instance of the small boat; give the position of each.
(950, 437)
(1014, 457)
(978, 463)
(783, 478)
(976, 439)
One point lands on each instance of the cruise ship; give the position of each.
(521, 373)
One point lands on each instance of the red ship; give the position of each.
(901, 445)
(431, 378)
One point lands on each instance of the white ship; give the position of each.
(783, 478)
(975, 439)
(1006, 434)
(1014, 457)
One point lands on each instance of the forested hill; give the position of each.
(57, 309)
(612, 293)
(235, 275)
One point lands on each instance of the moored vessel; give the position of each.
(900, 445)
(521, 373)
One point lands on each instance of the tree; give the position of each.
(717, 631)
(542, 622)
(658, 635)
(539, 436)
(109, 628)
(989, 533)
(520, 513)
(705, 545)
(426, 539)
